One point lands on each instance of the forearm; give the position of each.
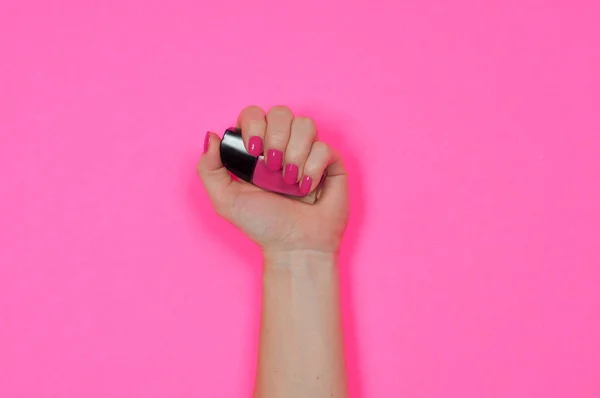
(301, 351)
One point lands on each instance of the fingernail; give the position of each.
(274, 159)
(291, 174)
(255, 146)
(305, 185)
(206, 141)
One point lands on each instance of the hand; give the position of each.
(276, 223)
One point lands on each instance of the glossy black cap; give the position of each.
(234, 156)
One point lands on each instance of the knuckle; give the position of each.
(252, 110)
(280, 111)
(294, 155)
(305, 123)
(277, 135)
(305, 127)
(318, 158)
(321, 149)
(254, 125)
(252, 117)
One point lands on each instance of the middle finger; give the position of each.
(279, 123)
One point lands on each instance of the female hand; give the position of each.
(300, 305)
(277, 223)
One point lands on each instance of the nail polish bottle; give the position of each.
(253, 169)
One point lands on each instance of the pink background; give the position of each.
(472, 131)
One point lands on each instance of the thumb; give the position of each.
(215, 177)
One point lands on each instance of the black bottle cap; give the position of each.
(234, 156)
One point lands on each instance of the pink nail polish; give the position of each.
(274, 159)
(255, 170)
(291, 174)
(206, 141)
(255, 146)
(305, 185)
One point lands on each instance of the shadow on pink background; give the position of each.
(471, 129)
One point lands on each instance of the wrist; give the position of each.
(274, 259)
(299, 273)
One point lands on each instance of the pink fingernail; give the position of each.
(305, 185)
(291, 174)
(255, 146)
(206, 141)
(274, 159)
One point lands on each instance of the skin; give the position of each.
(301, 348)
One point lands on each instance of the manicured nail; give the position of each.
(255, 146)
(274, 159)
(305, 185)
(291, 174)
(206, 141)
